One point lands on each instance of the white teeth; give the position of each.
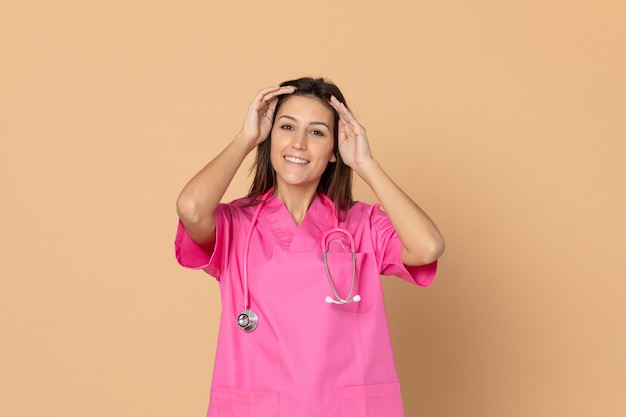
(296, 160)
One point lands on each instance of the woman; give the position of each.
(301, 333)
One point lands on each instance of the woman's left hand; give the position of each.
(354, 147)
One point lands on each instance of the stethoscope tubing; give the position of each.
(248, 319)
(324, 242)
(246, 249)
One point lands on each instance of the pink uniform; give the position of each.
(306, 358)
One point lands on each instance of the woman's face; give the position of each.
(302, 141)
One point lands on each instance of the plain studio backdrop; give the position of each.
(505, 121)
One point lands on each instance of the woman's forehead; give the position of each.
(305, 107)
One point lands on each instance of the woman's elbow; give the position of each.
(424, 255)
(437, 249)
(187, 209)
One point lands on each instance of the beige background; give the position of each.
(504, 120)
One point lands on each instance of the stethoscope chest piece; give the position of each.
(247, 320)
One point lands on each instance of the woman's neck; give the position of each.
(297, 200)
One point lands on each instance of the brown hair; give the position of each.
(336, 180)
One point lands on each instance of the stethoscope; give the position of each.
(248, 319)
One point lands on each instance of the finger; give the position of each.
(270, 95)
(336, 104)
(342, 110)
(262, 93)
(341, 128)
(345, 127)
(271, 107)
(349, 116)
(264, 96)
(270, 101)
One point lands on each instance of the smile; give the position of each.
(295, 160)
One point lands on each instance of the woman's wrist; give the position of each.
(245, 142)
(367, 168)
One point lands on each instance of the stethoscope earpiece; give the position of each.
(331, 300)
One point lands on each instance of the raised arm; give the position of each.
(199, 198)
(422, 241)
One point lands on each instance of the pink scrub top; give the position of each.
(306, 358)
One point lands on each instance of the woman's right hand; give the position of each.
(258, 123)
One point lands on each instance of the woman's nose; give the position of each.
(299, 140)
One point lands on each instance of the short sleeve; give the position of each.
(190, 254)
(389, 252)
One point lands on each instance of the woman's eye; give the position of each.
(317, 133)
(286, 127)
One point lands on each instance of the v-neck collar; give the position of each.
(318, 218)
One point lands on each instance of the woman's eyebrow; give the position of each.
(286, 116)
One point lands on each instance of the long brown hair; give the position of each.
(336, 180)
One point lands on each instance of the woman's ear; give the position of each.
(333, 157)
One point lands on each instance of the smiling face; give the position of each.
(302, 142)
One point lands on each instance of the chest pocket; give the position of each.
(365, 284)
(371, 401)
(230, 402)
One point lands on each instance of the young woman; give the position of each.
(303, 329)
